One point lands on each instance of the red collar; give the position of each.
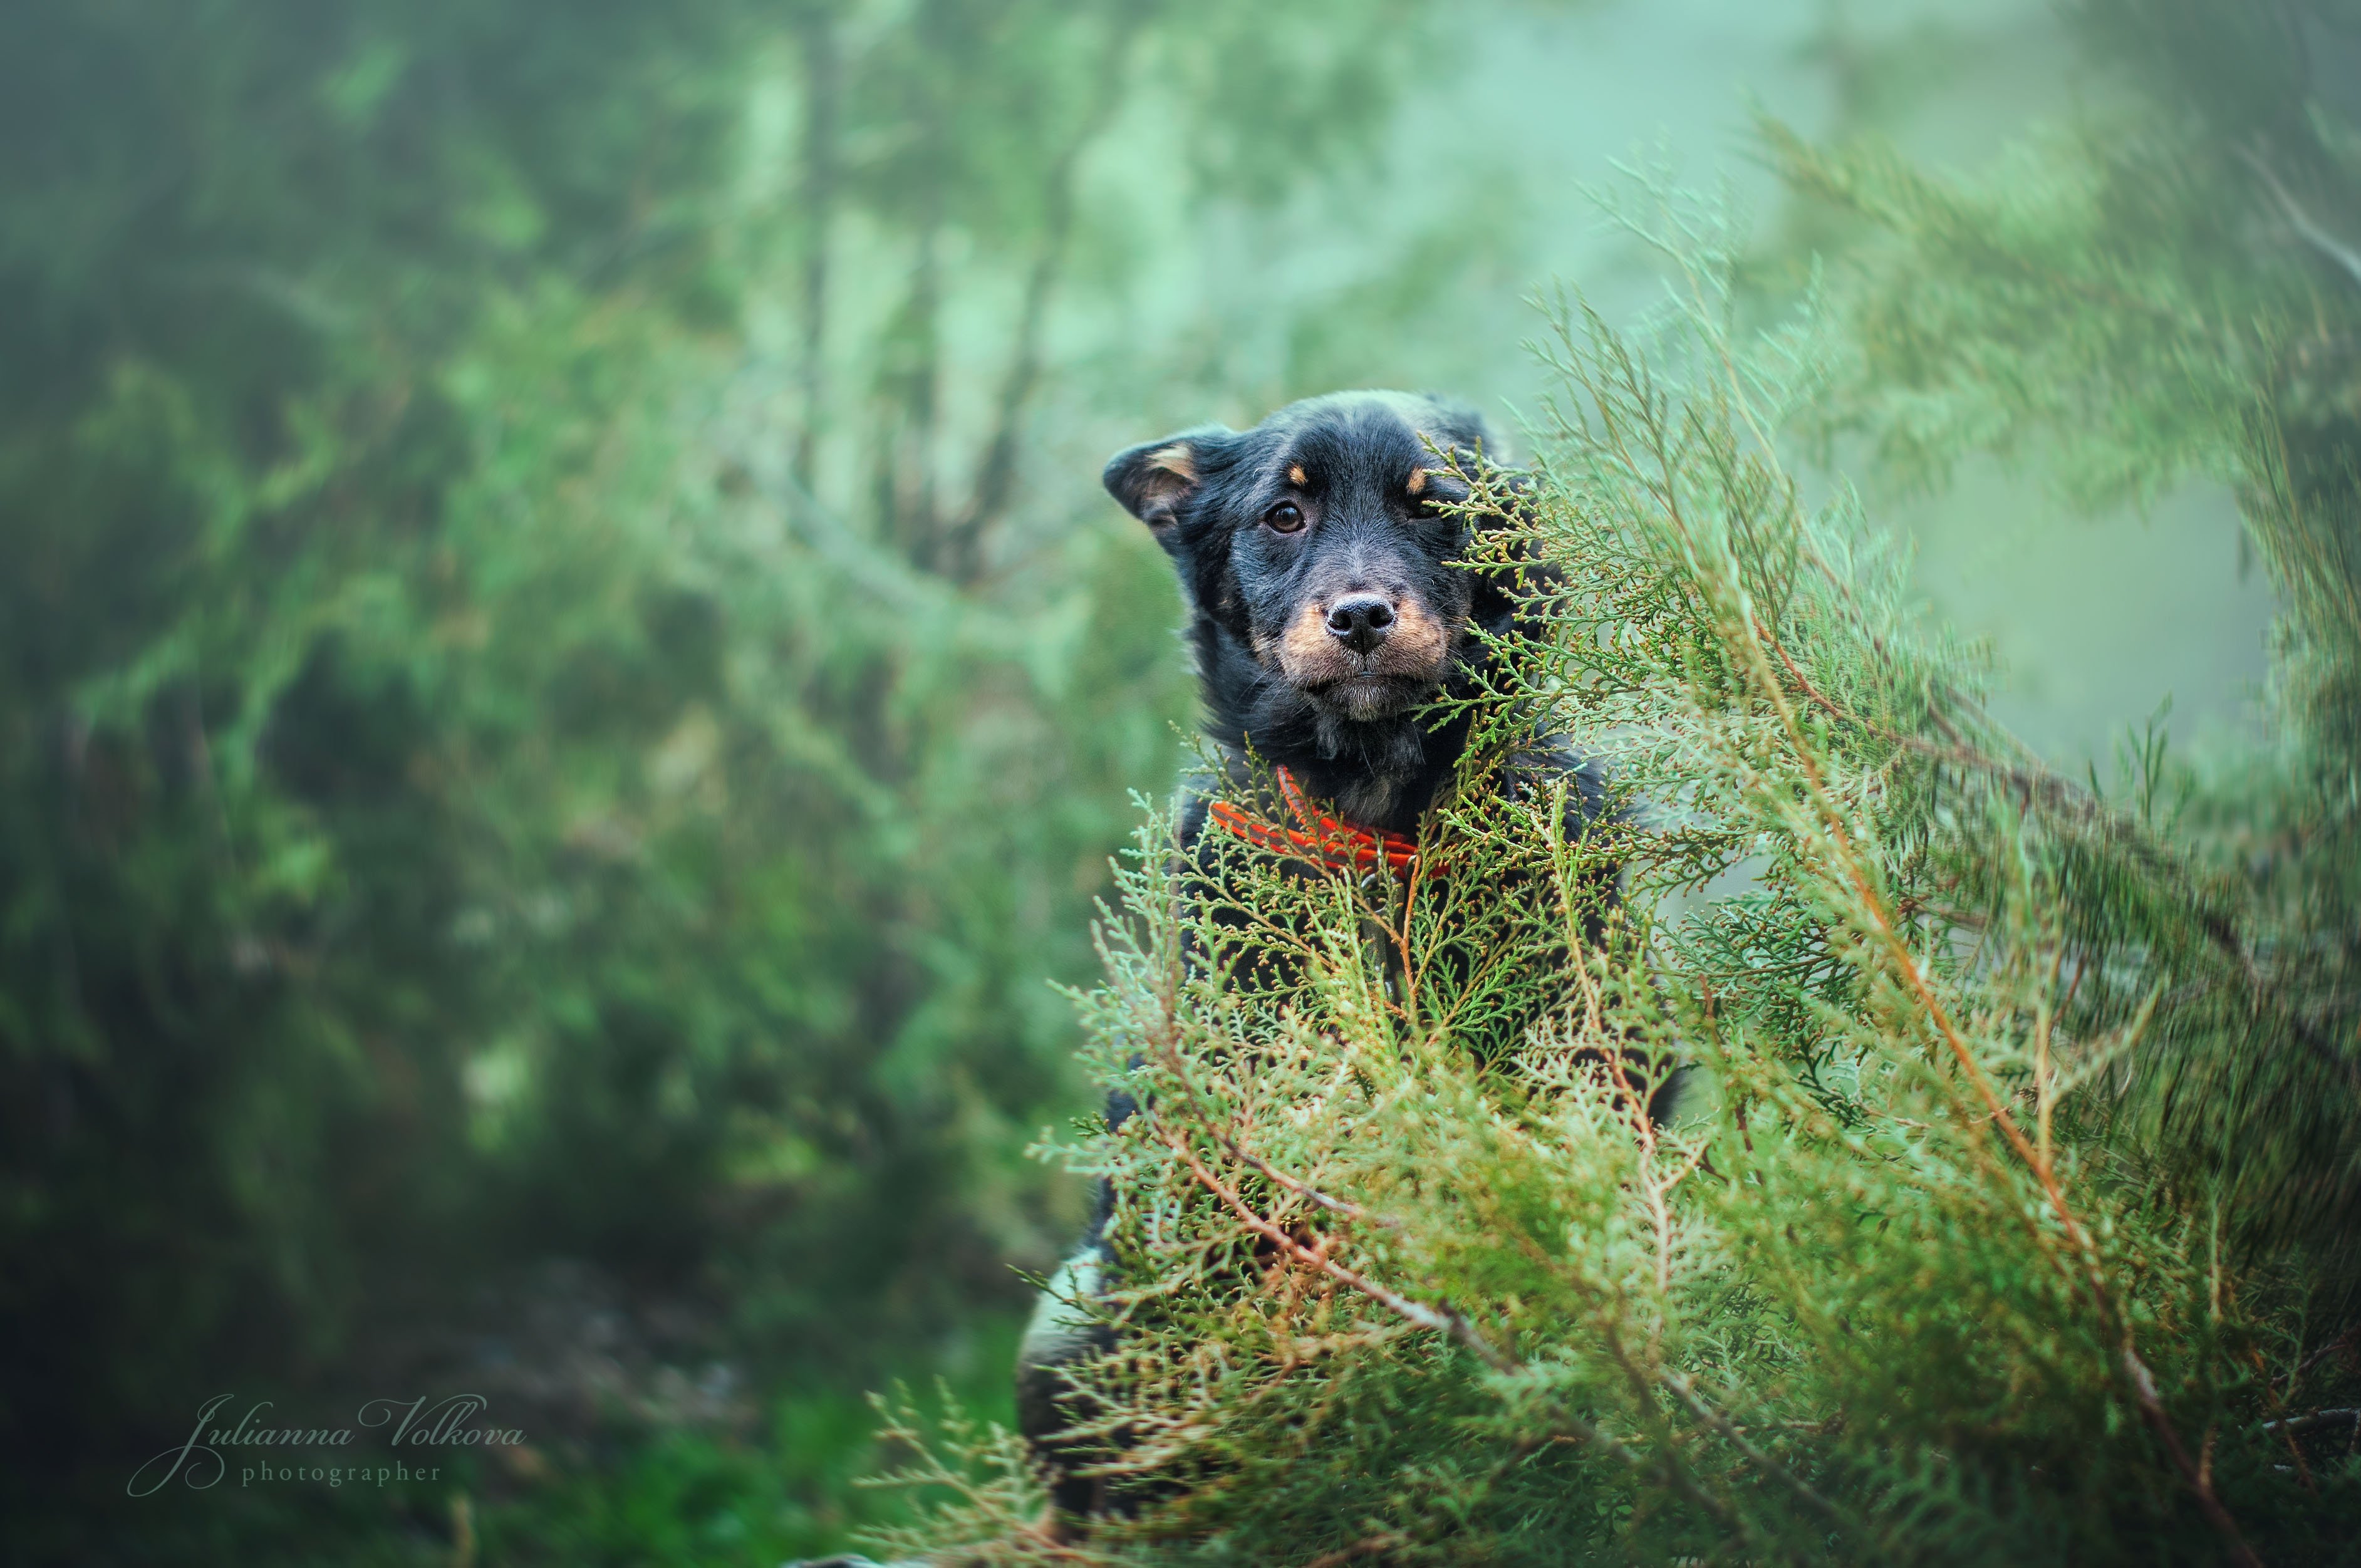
(1338, 846)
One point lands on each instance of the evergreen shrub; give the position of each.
(1932, 1264)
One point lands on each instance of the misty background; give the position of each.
(569, 685)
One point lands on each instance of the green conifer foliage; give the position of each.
(1904, 1279)
(551, 700)
(2173, 288)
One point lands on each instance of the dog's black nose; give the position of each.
(1360, 621)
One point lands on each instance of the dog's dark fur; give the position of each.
(1367, 494)
(1328, 610)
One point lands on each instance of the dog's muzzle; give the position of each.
(1361, 621)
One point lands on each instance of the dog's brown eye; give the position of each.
(1284, 517)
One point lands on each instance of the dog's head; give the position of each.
(1320, 557)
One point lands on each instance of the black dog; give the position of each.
(1329, 608)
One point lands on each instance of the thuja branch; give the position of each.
(1215, 1127)
(1444, 1319)
(1447, 1320)
(1741, 631)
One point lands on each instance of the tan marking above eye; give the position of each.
(1417, 485)
(1296, 476)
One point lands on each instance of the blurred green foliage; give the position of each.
(566, 681)
(2172, 289)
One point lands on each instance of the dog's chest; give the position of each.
(1370, 799)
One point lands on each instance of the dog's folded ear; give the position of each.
(1155, 479)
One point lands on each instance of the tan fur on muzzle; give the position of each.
(1414, 650)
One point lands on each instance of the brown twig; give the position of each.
(996, 473)
(1761, 1461)
(1368, 1546)
(2304, 223)
(1443, 1317)
(1884, 929)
